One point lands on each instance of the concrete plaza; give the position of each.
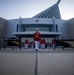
(49, 62)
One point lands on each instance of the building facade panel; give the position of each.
(2, 27)
(48, 22)
(62, 27)
(71, 28)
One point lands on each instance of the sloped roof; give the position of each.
(50, 12)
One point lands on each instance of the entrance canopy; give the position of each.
(32, 32)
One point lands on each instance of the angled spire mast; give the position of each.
(50, 12)
(58, 1)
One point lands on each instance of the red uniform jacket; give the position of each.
(42, 41)
(37, 36)
(26, 41)
(53, 41)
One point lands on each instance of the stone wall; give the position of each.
(2, 27)
(71, 28)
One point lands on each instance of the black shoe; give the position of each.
(36, 50)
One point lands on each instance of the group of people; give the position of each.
(38, 41)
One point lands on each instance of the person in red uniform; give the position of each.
(37, 38)
(32, 44)
(26, 43)
(42, 42)
(53, 43)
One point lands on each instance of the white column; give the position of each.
(20, 20)
(54, 27)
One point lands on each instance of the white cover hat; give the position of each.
(36, 29)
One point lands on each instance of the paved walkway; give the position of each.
(32, 50)
(43, 62)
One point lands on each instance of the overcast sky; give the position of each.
(12, 9)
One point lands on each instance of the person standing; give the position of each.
(37, 38)
(42, 42)
(26, 43)
(53, 43)
(32, 44)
